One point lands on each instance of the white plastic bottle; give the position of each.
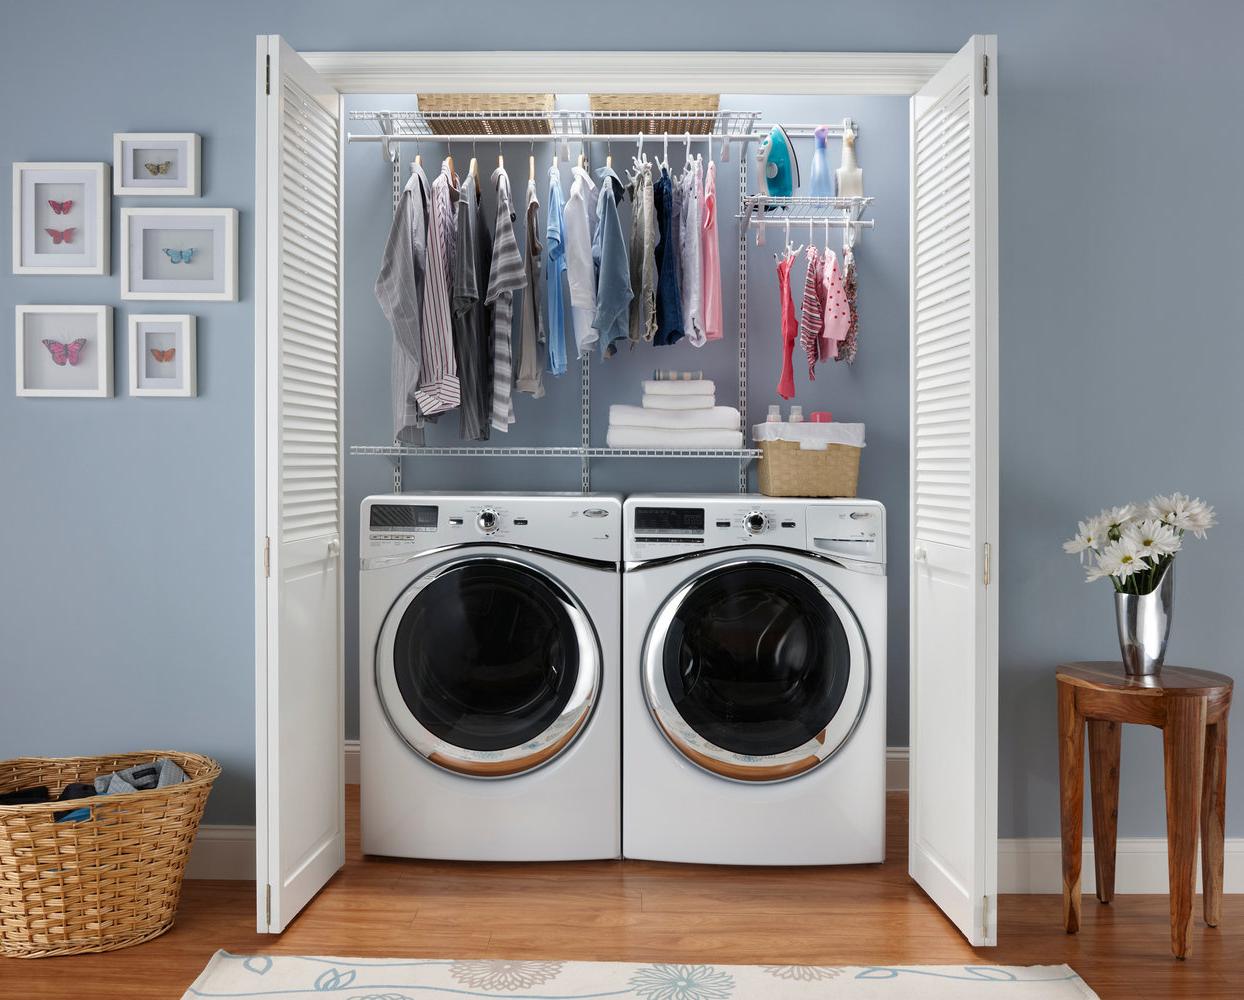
(775, 414)
(796, 414)
(822, 184)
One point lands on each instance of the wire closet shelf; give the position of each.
(614, 126)
(553, 126)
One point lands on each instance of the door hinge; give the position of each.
(267, 555)
(267, 75)
(988, 560)
(267, 906)
(985, 74)
(985, 913)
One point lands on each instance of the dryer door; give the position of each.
(756, 670)
(488, 667)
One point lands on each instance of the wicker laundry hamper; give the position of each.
(653, 114)
(102, 883)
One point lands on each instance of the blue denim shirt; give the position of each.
(613, 266)
(554, 269)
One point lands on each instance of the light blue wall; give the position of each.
(125, 598)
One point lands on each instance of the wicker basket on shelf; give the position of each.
(787, 470)
(524, 114)
(651, 113)
(108, 881)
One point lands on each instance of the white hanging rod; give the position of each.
(817, 222)
(490, 138)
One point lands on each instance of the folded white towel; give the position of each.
(659, 402)
(710, 418)
(652, 437)
(692, 387)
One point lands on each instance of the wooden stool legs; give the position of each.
(1104, 741)
(1213, 819)
(1183, 747)
(1071, 792)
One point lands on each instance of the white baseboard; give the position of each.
(1035, 864)
(352, 762)
(1025, 865)
(896, 768)
(223, 852)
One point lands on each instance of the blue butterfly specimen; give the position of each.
(180, 256)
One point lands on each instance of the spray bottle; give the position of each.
(822, 177)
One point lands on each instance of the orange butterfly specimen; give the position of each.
(163, 356)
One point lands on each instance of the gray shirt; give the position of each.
(472, 322)
(399, 289)
(533, 344)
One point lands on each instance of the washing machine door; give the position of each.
(488, 667)
(756, 670)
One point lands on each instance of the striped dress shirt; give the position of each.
(506, 277)
(438, 385)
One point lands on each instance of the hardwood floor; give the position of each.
(642, 911)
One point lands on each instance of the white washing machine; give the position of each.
(754, 680)
(489, 701)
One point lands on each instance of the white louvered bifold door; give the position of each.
(299, 616)
(954, 490)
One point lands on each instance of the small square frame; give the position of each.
(181, 150)
(181, 336)
(100, 317)
(212, 276)
(35, 187)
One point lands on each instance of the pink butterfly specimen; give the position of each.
(62, 353)
(61, 207)
(60, 236)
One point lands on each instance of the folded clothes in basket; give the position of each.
(691, 387)
(652, 437)
(696, 402)
(39, 794)
(160, 773)
(705, 418)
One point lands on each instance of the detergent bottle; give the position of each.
(850, 176)
(822, 178)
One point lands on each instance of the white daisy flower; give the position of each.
(1115, 517)
(1122, 559)
(1198, 518)
(1094, 571)
(1091, 536)
(1153, 538)
(1183, 513)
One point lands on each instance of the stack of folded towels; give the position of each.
(676, 413)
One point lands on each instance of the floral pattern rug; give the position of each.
(286, 977)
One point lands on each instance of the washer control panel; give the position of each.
(588, 526)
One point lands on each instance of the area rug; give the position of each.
(286, 977)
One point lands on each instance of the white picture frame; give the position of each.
(71, 369)
(152, 371)
(182, 254)
(176, 155)
(61, 216)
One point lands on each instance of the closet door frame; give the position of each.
(805, 73)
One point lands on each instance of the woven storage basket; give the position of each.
(525, 114)
(645, 105)
(102, 883)
(786, 470)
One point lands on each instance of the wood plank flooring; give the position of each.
(640, 911)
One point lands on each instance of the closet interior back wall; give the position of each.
(872, 390)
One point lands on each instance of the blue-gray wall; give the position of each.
(125, 597)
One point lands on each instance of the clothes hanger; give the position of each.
(531, 161)
(665, 152)
(500, 157)
(449, 156)
(473, 169)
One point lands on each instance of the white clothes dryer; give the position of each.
(754, 680)
(489, 701)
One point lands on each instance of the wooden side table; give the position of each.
(1190, 707)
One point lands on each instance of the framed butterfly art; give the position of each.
(155, 164)
(187, 253)
(64, 351)
(162, 355)
(61, 213)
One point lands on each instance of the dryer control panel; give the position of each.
(569, 524)
(848, 529)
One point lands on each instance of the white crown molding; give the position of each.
(874, 73)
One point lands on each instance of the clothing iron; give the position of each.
(777, 171)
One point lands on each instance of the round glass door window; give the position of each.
(755, 671)
(488, 668)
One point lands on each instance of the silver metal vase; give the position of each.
(1144, 622)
